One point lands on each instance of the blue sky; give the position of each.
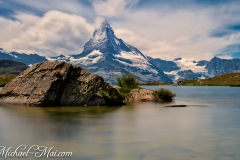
(197, 29)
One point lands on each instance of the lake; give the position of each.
(208, 129)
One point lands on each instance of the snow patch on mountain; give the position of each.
(136, 60)
(91, 58)
(188, 69)
(116, 41)
(173, 75)
(189, 64)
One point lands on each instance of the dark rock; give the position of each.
(177, 59)
(59, 84)
(176, 106)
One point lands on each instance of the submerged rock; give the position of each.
(177, 105)
(59, 84)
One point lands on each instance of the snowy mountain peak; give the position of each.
(103, 33)
(107, 55)
(105, 41)
(105, 25)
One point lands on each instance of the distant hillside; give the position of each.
(4, 79)
(8, 67)
(232, 79)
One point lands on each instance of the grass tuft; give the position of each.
(164, 94)
(126, 82)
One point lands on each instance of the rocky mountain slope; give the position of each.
(181, 68)
(218, 66)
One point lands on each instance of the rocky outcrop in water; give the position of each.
(140, 94)
(59, 84)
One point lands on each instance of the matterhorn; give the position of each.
(106, 55)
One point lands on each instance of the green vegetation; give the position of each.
(232, 79)
(9, 70)
(164, 94)
(105, 94)
(4, 79)
(126, 82)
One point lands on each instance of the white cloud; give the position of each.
(144, 45)
(43, 6)
(99, 21)
(183, 33)
(9, 30)
(53, 34)
(113, 8)
(159, 31)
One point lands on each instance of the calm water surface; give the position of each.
(145, 131)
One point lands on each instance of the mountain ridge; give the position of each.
(109, 56)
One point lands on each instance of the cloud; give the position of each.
(39, 8)
(145, 45)
(184, 32)
(53, 34)
(9, 30)
(6, 12)
(99, 21)
(164, 29)
(226, 31)
(230, 51)
(113, 8)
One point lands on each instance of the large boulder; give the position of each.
(59, 84)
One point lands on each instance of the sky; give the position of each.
(166, 29)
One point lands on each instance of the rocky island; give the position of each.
(140, 94)
(59, 84)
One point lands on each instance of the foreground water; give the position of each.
(146, 131)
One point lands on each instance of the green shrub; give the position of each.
(164, 94)
(105, 94)
(122, 93)
(126, 82)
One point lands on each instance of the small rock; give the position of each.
(140, 94)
